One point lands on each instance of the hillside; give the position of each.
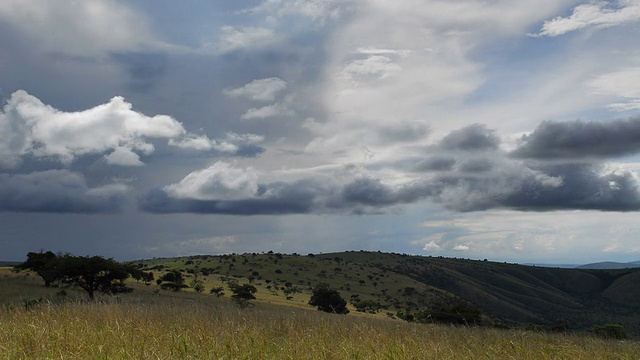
(508, 294)
(611, 265)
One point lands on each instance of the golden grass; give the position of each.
(168, 325)
(202, 327)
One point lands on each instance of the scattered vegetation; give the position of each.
(277, 320)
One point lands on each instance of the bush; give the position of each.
(328, 300)
(610, 331)
(368, 306)
(173, 286)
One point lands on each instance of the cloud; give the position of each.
(235, 39)
(583, 186)
(475, 137)
(316, 10)
(580, 140)
(33, 128)
(259, 90)
(58, 191)
(491, 179)
(435, 163)
(233, 144)
(598, 15)
(123, 156)
(623, 84)
(219, 181)
(84, 29)
(268, 111)
(145, 69)
(303, 196)
(369, 69)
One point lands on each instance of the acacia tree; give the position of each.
(94, 274)
(242, 294)
(172, 280)
(45, 264)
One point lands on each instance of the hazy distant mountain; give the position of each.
(610, 265)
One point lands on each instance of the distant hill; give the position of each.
(610, 265)
(9, 263)
(505, 293)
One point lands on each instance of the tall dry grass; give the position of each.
(167, 325)
(202, 327)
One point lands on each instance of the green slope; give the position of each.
(506, 293)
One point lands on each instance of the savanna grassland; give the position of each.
(156, 324)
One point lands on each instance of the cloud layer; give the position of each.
(469, 173)
(59, 191)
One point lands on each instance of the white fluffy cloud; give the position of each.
(598, 14)
(31, 127)
(231, 144)
(220, 181)
(260, 89)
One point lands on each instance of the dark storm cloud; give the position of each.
(471, 138)
(558, 187)
(58, 191)
(578, 139)
(583, 187)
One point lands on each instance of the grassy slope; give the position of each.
(150, 325)
(508, 292)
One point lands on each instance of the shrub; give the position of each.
(610, 331)
(328, 300)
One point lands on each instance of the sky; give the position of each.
(502, 129)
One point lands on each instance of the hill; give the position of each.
(611, 265)
(507, 294)
(8, 263)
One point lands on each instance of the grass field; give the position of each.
(165, 325)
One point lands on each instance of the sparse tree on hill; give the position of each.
(328, 300)
(243, 294)
(173, 280)
(197, 284)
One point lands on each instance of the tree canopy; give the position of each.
(45, 264)
(92, 274)
(242, 294)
